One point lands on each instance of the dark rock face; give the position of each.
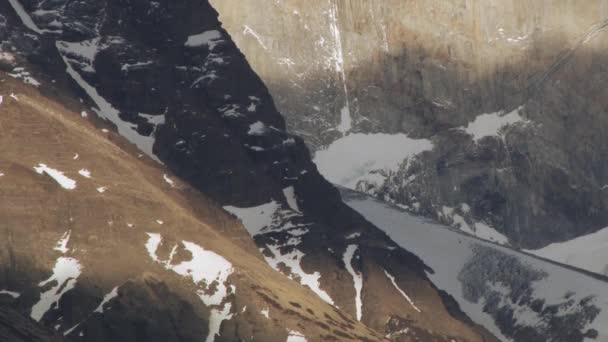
(429, 69)
(506, 285)
(14, 327)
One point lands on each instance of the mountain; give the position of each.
(152, 193)
(485, 115)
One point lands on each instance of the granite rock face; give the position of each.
(430, 69)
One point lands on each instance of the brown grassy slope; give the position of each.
(36, 212)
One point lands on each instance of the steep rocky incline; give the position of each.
(164, 81)
(503, 102)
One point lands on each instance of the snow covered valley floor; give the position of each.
(514, 295)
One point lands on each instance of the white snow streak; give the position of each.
(108, 297)
(10, 293)
(168, 180)
(357, 278)
(409, 300)
(104, 108)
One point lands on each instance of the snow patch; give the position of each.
(255, 218)
(354, 157)
(65, 273)
(209, 38)
(257, 128)
(84, 173)
(57, 175)
(215, 321)
(292, 260)
(296, 336)
(290, 196)
(491, 124)
(589, 252)
(20, 73)
(62, 244)
(168, 180)
(208, 270)
(265, 313)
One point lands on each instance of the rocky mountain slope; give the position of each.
(146, 121)
(101, 246)
(487, 115)
(516, 296)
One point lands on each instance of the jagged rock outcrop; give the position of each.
(430, 69)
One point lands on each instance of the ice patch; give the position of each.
(57, 175)
(357, 278)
